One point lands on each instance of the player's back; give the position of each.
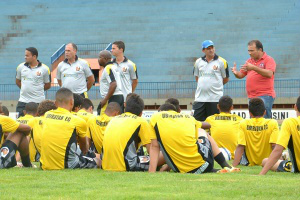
(258, 135)
(177, 133)
(96, 128)
(84, 115)
(224, 130)
(120, 137)
(36, 132)
(59, 139)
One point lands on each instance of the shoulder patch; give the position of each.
(133, 64)
(20, 65)
(224, 61)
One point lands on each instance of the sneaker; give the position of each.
(224, 170)
(234, 169)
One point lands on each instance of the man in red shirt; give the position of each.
(259, 69)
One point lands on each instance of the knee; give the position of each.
(264, 161)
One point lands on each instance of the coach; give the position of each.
(33, 78)
(74, 73)
(259, 69)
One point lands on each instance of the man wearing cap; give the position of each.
(33, 78)
(259, 69)
(211, 73)
(75, 73)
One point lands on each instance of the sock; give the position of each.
(221, 160)
(26, 161)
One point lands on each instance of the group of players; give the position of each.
(66, 134)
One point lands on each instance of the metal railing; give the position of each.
(160, 90)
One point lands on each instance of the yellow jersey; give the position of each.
(177, 135)
(85, 115)
(121, 137)
(289, 137)
(36, 132)
(224, 129)
(258, 135)
(96, 128)
(7, 125)
(59, 139)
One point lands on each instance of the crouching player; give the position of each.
(123, 135)
(289, 137)
(257, 136)
(61, 131)
(185, 147)
(16, 140)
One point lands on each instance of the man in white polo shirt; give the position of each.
(126, 69)
(74, 73)
(33, 78)
(211, 73)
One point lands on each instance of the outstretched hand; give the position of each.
(233, 69)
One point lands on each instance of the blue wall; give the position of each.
(162, 37)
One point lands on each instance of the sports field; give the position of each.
(97, 184)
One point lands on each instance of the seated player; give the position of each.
(61, 132)
(30, 113)
(97, 125)
(37, 123)
(5, 111)
(86, 110)
(176, 135)
(78, 100)
(257, 136)
(289, 137)
(16, 140)
(225, 126)
(122, 136)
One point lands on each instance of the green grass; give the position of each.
(21, 183)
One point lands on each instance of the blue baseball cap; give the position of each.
(207, 43)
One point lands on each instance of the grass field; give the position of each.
(97, 184)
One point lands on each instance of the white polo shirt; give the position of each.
(32, 82)
(74, 76)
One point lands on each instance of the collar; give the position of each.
(39, 64)
(115, 60)
(109, 63)
(216, 57)
(66, 60)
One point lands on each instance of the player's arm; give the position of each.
(111, 90)
(237, 73)
(90, 82)
(154, 154)
(134, 84)
(18, 83)
(83, 144)
(238, 155)
(225, 80)
(275, 155)
(59, 82)
(23, 128)
(205, 125)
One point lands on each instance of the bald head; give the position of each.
(105, 54)
(112, 109)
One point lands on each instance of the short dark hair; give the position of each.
(78, 100)
(4, 110)
(257, 107)
(298, 104)
(45, 106)
(63, 95)
(174, 102)
(31, 108)
(166, 107)
(33, 51)
(113, 106)
(86, 103)
(257, 43)
(134, 104)
(120, 45)
(225, 103)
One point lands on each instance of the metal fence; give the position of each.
(161, 90)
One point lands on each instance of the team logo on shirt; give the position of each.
(78, 68)
(4, 151)
(215, 67)
(124, 69)
(38, 73)
(262, 65)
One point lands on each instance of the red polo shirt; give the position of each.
(256, 84)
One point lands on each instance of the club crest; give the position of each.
(38, 73)
(78, 68)
(4, 151)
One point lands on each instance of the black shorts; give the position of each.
(7, 154)
(205, 149)
(285, 166)
(115, 98)
(204, 109)
(142, 164)
(86, 163)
